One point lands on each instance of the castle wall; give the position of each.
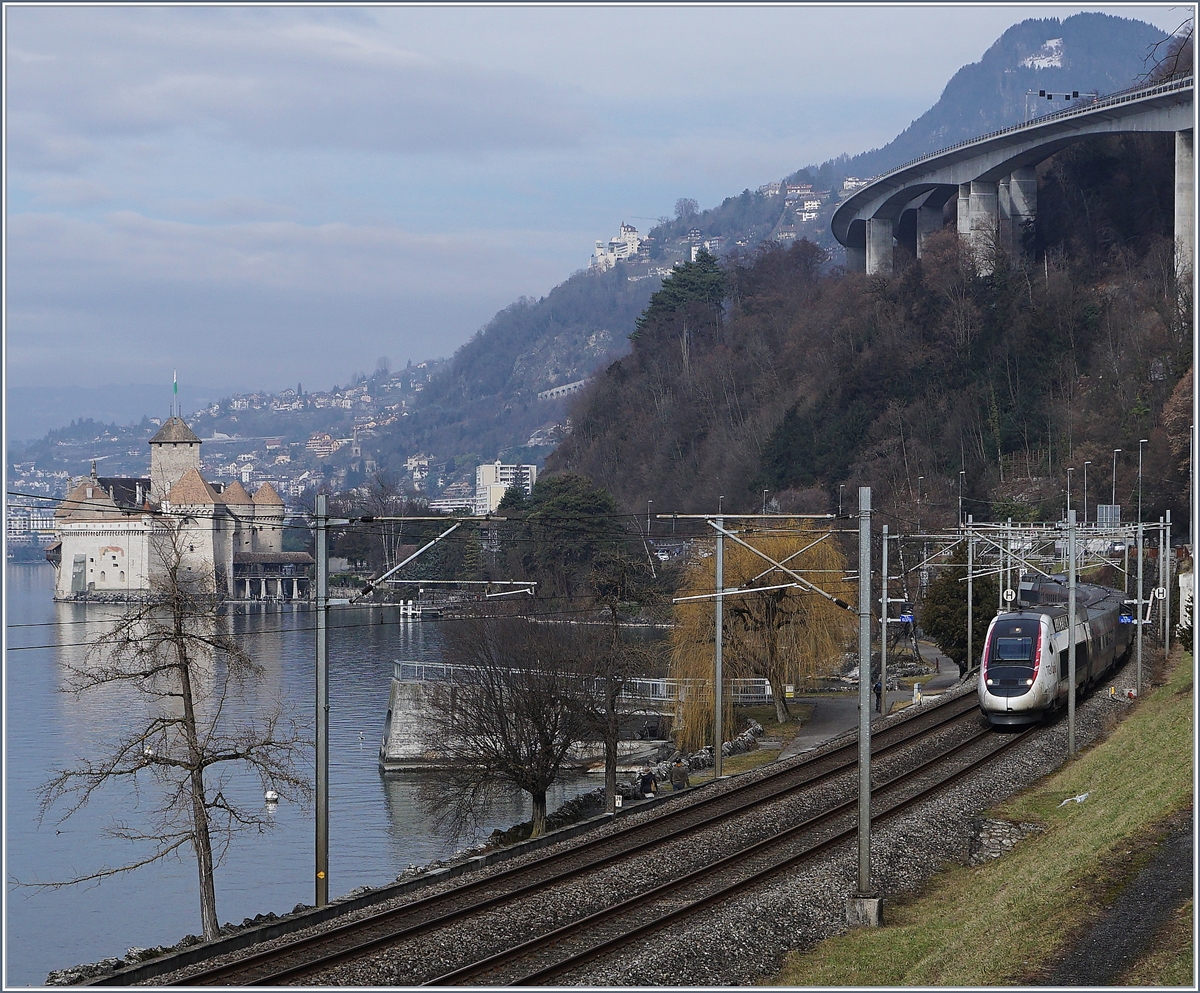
(104, 557)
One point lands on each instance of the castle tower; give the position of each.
(173, 451)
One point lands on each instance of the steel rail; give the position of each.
(361, 937)
(492, 963)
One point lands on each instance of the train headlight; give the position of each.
(989, 682)
(1029, 682)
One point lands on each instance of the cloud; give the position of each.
(67, 191)
(227, 208)
(336, 258)
(273, 79)
(124, 294)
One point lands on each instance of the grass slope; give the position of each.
(965, 929)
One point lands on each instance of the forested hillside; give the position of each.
(761, 372)
(486, 403)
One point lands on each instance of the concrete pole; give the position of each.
(864, 691)
(1168, 560)
(1162, 564)
(1071, 636)
(970, 594)
(322, 839)
(883, 625)
(718, 674)
(1185, 203)
(1140, 561)
(879, 246)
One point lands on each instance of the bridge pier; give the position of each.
(929, 221)
(983, 224)
(1022, 205)
(1185, 203)
(879, 246)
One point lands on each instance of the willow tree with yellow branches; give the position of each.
(783, 635)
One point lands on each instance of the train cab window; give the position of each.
(1013, 650)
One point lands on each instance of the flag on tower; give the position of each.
(174, 389)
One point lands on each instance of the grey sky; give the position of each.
(259, 196)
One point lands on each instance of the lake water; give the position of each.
(377, 828)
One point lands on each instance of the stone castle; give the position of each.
(112, 533)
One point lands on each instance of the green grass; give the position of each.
(963, 929)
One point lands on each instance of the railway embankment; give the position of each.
(1097, 894)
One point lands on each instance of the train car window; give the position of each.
(1064, 663)
(1013, 650)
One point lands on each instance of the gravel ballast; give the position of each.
(792, 910)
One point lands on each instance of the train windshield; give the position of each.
(1013, 650)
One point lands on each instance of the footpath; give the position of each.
(836, 713)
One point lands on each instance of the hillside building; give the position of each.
(113, 536)
(493, 480)
(619, 249)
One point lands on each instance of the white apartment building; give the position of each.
(492, 481)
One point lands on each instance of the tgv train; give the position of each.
(1024, 671)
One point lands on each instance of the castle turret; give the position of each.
(268, 516)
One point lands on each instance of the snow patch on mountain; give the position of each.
(1049, 56)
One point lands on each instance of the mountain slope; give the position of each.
(805, 382)
(1086, 52)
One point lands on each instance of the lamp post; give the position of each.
(1085, 465)
(1070, 469)
(1141, 442)
(649, 504)
(1116, 452)
(961, 473)
(841, 487)
(765, 492)
(920, 480)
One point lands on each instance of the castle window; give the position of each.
(102, 575)
(122, 576)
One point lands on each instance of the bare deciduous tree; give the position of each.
(619, 580)
(192, 741)
(509, 719)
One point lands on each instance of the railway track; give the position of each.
(307, 955)
(572, 946)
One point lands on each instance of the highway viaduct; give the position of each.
(994, 180)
